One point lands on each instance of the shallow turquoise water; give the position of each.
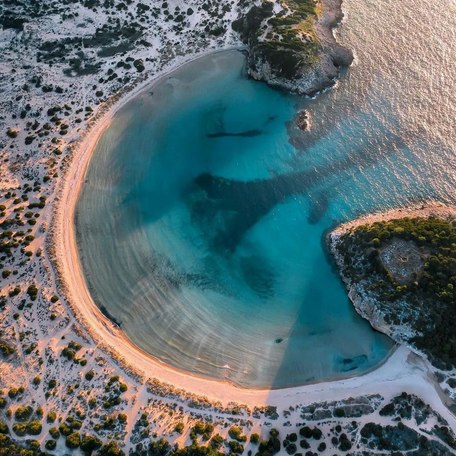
(201, 227)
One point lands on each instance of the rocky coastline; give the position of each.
(368, 304)
(365, 305)
(302, 57)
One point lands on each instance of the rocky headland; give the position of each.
(292, 46)
(399, 270)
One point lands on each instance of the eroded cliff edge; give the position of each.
(291, 45)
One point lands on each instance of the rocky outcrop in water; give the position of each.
(302, 120)
(294, 48)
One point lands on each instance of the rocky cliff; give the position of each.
(292, 46)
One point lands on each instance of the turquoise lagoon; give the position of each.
(202, 222)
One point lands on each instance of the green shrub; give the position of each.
(235, 432)
(20, 429)
(123, 387)
(23, 413)
(255, 438)
(6, 273)
(110, 449)
(65, 429)
(34, 427)
(34, 445)
(73, 440)
(291, 448)
(89, 375)
(3, 428)
(6, 350)
(90, 443)
(32, 291)
(11, 132)
(50, 444)
(235, 447)
(216, 441)
(55, 434)
(12, 393)
(51, 416)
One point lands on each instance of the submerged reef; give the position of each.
(291, 46)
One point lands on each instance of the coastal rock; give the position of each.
(307, 79)
(302, 120)
(365, 305)
(369, 307)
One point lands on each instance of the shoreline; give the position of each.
(426, 210)
(114, 340)
(71, 274)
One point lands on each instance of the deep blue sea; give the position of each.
(201, 225)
